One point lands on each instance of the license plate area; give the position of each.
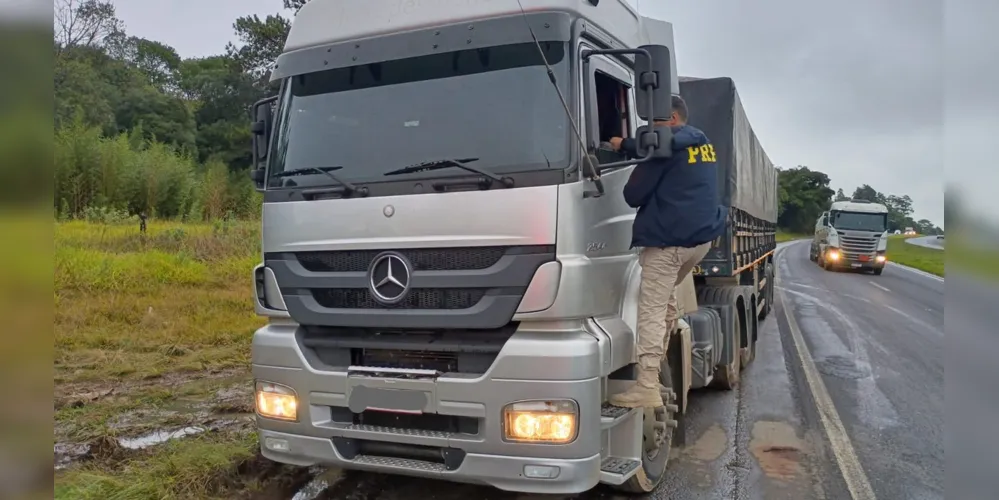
(856, 265)
(391, 390)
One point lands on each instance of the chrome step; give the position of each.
(617, 470)
(611, 415)
(398, 463)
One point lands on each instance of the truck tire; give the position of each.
(727, 377)
(658, 439)
(752, 327)
(878, 270)
(768, 292)
(823, 263)
(727, 300)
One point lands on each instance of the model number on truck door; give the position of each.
(595, 246)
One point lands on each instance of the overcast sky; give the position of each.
(853, 88)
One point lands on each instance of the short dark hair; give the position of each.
(680, 107)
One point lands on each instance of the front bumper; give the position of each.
(854, 260)
(532, 365)
(500, 471)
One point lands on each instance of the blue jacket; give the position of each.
(677, 198)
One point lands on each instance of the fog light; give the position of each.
(880, 258)
(276, 401)
(832, 255)
(551, 422)
(541, 471)
(275, 444)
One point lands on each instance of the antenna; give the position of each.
(565, 106)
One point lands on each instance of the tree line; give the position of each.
(140, 129)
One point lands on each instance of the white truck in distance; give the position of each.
(447, 268)
(852, 235)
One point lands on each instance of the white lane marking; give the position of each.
(846, 458)
(916, 271)
(879, 286)
(916, 321)
(802, 285)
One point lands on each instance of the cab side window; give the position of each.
(608, 102)
(613, 113)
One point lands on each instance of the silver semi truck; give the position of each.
(851, 235)
(446, 262)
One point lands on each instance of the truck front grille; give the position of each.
(423, 259)
(419, 298)
(444, 362)
(858, 244)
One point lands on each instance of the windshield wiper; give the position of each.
(348, 187)
(448, 163)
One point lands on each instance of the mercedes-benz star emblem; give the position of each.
(388, 278)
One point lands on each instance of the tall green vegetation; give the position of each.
(141, 130)
(125, 174)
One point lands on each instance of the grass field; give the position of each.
(924, 259)
(152, 333)
(974, 259)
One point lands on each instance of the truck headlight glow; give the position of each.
(551, 422)
(832, 255)
(880, 258)
(276, 401)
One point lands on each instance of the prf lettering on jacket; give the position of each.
(706, 153)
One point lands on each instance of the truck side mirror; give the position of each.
(654, 99)
(657, 138)
(653, 96)
(263, 118)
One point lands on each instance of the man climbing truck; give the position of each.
(447, 263)
(852, 235)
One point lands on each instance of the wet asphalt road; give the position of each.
(928, 242)
(877, 342)
(972, 379)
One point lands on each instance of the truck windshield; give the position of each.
(859, 221)
(494, 104)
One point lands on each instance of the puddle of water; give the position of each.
(67, 453)
(157, 437)
(711, 445)
(317, 485)
(777, 449)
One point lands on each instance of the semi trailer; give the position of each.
(446, 263)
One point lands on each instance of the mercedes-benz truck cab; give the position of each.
(852, 235)
(447, 268)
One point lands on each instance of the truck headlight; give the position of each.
(551, 422)
(276, 401)
(832, 254)
(880, 259)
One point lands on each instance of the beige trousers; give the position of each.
(662, 271)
